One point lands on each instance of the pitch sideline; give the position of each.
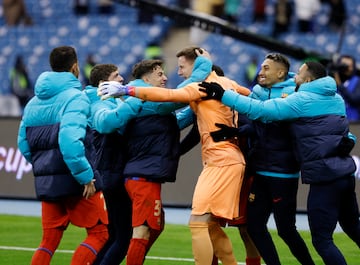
(71, 251)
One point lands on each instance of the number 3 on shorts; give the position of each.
(157, 208)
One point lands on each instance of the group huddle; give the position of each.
(114, 144)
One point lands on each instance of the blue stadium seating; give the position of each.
(119, 39)
(233, 55)
(113, 38)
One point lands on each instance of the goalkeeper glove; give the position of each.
(225, 133)
(213, 90)
(114, 89)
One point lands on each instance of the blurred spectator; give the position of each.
(15, 13)
(338, 15)
(348, 84)
(145, 15)
(231, 10)
(153, 51)
(210, 7)
(81, 7)
(251, 72)
(88, 66)
(305, 11)
(259, 10)
(282, 17)
(182, 4)
(105, 6)
(20, 84)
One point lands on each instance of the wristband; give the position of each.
(130, 90)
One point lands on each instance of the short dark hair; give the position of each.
(101, 72)
(145, 67)
(189, 53)
(279, 58)
(347, 56)
(316, 69)
(218, 70)
(62, 58)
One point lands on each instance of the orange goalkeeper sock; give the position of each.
(222, 245)
(201, 243)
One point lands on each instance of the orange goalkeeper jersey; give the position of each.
(208, 113)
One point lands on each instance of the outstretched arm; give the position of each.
(162, 94)
(266, 111)
(157, 94)
(107, 118)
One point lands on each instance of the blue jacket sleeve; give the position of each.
(23, 143)
(71, 136)
(270, 110)
(109, 117)
(352, 137)
(185, 117)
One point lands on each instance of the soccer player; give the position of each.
(108, 121)
(153, 154)
(51, 137)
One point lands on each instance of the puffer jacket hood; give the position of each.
(49, 84)
(323, 86)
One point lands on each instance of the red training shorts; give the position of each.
(77, 210)
(245, 191)
(146, 203)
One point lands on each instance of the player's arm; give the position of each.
(184, 95)
(269, 110)
(241, 89)
(23, 143)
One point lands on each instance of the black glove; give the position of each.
(225, 133)
(213, 90)
(345, 146)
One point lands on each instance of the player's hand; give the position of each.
(225, 132)
(213, 90)
(203, 52)
(113, 89)
(89, 189)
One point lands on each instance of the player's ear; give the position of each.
(75, 69)
(281, 74)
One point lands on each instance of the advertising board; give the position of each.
(17, 181)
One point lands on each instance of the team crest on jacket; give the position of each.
(284, 95)
(251, 197)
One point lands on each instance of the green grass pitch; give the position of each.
(21, 235)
